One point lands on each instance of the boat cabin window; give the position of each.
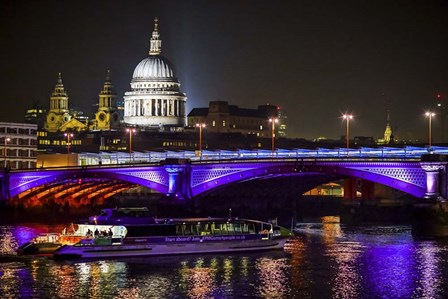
(212, 228)
(188, 229)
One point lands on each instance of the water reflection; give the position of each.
(429, 264)
(273, 281)
(336, 263)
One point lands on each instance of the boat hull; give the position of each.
(32, 248)
(133, 250)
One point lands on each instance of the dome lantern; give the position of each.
(155, 47)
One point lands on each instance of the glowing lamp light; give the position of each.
(347, 117)
(273, 121)
(131, 131)
(430, 115)
(200, 126)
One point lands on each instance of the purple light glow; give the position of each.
(198, 178)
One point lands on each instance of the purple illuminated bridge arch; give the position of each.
(186, 179)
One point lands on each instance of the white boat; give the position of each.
(178, 236)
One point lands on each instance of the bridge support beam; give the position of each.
(178, 183)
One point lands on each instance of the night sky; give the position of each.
(315, 59)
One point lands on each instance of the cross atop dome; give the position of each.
(156, 43)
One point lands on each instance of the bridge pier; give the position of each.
(350, 188)
(431, 213)
(4, 184)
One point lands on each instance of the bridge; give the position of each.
(184, 175)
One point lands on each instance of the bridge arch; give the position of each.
(410, 179)
(155, 178)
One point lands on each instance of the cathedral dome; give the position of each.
(154, 67)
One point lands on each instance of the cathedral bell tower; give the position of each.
(58, 114)
(107, 118)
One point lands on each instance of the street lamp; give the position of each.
(347, 117)
(273, 121)
(69, 136)
(200, 126)
(7, 139)
(430, 114)
(130, 131)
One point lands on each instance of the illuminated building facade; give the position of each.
(155, 99)
(18, 145)
(220, 117)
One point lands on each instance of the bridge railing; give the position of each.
(381, 153)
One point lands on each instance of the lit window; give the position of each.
(261, 127)
(223, 123)
(213, 123)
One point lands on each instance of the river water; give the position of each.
(324, 261)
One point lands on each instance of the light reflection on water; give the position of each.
(337, 262)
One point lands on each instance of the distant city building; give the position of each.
(36, 115)
(156, 106)
(220, 117)
(155, 99)
(19, 145)
(283, 119)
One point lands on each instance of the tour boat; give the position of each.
(178, 236)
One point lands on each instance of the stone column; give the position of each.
(432, 171)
